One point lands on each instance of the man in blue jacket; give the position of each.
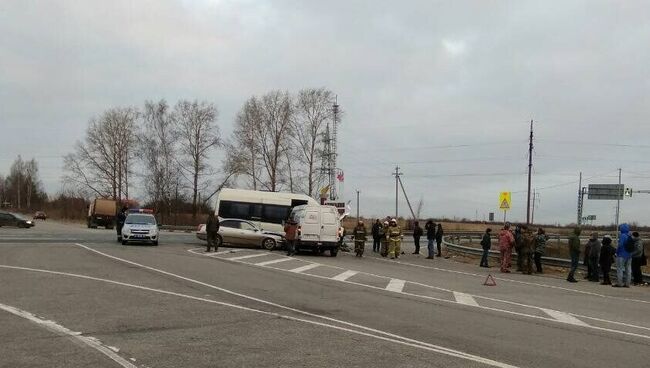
(623, 259)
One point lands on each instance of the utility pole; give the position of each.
(532, 216)
(618, 206)
(530, 169)
(580, 199)
(397, 174)
(358, 204)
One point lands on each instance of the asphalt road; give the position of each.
(73, 297)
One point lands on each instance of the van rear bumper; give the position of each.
(304, 244)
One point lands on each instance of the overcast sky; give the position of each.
(445, 89)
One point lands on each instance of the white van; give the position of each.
(318, 228)
(267, 210)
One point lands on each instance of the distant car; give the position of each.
(12, 219)
(40, 215)
(140, 228)
(242, 232)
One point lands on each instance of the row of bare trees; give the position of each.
(277, 144)
(22, 188)
(278, 140)
(167, 149)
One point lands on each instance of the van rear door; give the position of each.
(329, 225)
(310, 225)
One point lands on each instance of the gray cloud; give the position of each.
(416, 80)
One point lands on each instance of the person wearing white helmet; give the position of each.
(394, 235)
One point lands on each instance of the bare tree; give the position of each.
(198, 136)
(273, 134)
(243, 152)
(102, 163)
(158, 148)
(313, 108)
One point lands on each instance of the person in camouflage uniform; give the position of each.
(394, 235)
(359, 238)
(526, 250)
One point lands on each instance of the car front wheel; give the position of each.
(268, 244)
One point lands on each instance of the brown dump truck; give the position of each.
(101, 212)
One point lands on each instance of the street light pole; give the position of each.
(358, 204)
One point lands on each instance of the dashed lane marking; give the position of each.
(396, 285)
(456, 301)
(248, 256)
(465, 299)
(564, 317)
(344, 275)
(352, 327)
(273, 261)
(52, 326)
(305, 268)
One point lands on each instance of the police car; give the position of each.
(140, 226)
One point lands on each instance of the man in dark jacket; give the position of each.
(486, 244)
(430, 227)
(574, 250)
(439, 234)
(606, 259)
(359, 234)
(594, 246)
(376, 236)
(518, 244)
(121, 217)
(212, 228)
(638, 256)
(417, 234)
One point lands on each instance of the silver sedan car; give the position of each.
(243, 233)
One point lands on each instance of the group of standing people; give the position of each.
(599, 255)
(529, 246)
(629, 256)
(387, 238)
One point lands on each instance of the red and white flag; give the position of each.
(339, 176)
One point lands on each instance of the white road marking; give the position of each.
(305, 268)
(344, 275)
(396, 285)
(52, 326)
(564, 317)
(476, 296)
(248, 256)
(273, 261)
(509, 280)
(373, 333)
(466, 299)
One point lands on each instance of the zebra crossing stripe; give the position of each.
(396, 285)
(305, 268)
(465, 299)
(345, 275)
(273, 261)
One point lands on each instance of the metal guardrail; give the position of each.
(172, 228)
(549, 261)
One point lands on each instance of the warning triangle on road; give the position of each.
(489, 281)
(504, 205)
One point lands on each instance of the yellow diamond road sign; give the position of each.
(504, 201)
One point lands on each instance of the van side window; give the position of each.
(275, 214)
(231, 209)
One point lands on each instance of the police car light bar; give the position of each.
(141, 210)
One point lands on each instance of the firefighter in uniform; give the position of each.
(359, 238)
(212, 228)
(394, 236)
